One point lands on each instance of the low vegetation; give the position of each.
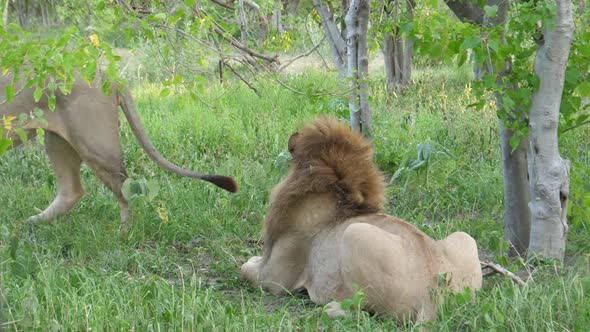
(178, 268)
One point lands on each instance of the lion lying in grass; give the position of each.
(324, 231)
(85, 128)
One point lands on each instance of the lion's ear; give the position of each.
(292, 142)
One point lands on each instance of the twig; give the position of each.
(227, 37)
(501, 270)
(288, 62)
(576, 126)
(223, 4)
(242, 78)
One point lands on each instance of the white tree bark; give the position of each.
(357, 24)
(334, 37)
(549, 173)
(243, 22)
(277, 17)
(5, 13)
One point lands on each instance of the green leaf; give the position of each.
(9, 93)
(22, 135)
(38, 112)
(153, 189)
(470, 42)
(189, 3)
(5, 143)
(583, 89)
(491, 11)
(41, 136)
(38, 94)
(165, 92)
(51, 102)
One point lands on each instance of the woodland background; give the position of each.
(220, 86)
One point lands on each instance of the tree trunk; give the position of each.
(549, 173)
(517, 216)
(397, 52)
(334, 37)
(5, 13)
(357, 22)
(21, 13)
(277, 19)
(262, 23)
(243, 22)
(293, 8)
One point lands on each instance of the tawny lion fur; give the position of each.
(85, 128)
(325, 231)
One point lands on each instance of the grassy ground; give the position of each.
(178, 269)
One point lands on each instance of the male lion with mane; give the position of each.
(325, 232)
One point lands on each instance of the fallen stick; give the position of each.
(501, 270)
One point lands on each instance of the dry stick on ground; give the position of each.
(499, 269)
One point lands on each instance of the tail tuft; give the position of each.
(224, 182)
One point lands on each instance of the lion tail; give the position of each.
(126, 102)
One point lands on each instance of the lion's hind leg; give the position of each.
(66, 165)
(107, 162)
(386, 270)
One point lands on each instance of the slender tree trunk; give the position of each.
(408, 48)
(334, 38)
(5, 13)
(549, 173)
(357, 22)
(243, 22)
(262, 22)
(20, 9)
(293, 8)
(517, 216)
(277, 19)
(397, 52)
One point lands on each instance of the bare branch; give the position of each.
(223, 4)
(308, 53)
(496, 268)
(242, 78)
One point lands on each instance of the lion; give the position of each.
(84, 127)
(325, 232)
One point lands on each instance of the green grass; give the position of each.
(178, 269)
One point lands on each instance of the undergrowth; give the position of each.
(178, 268)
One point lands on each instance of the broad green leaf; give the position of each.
(583, 89)
(38, 94)
(491, 11)
(165, 92)
(5, 143)
(470, 42)
(189, 3)
(38, 112)
(153, 189)
(22, 134)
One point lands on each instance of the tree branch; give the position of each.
(308, 53)
(500, 270)
(466, 11)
